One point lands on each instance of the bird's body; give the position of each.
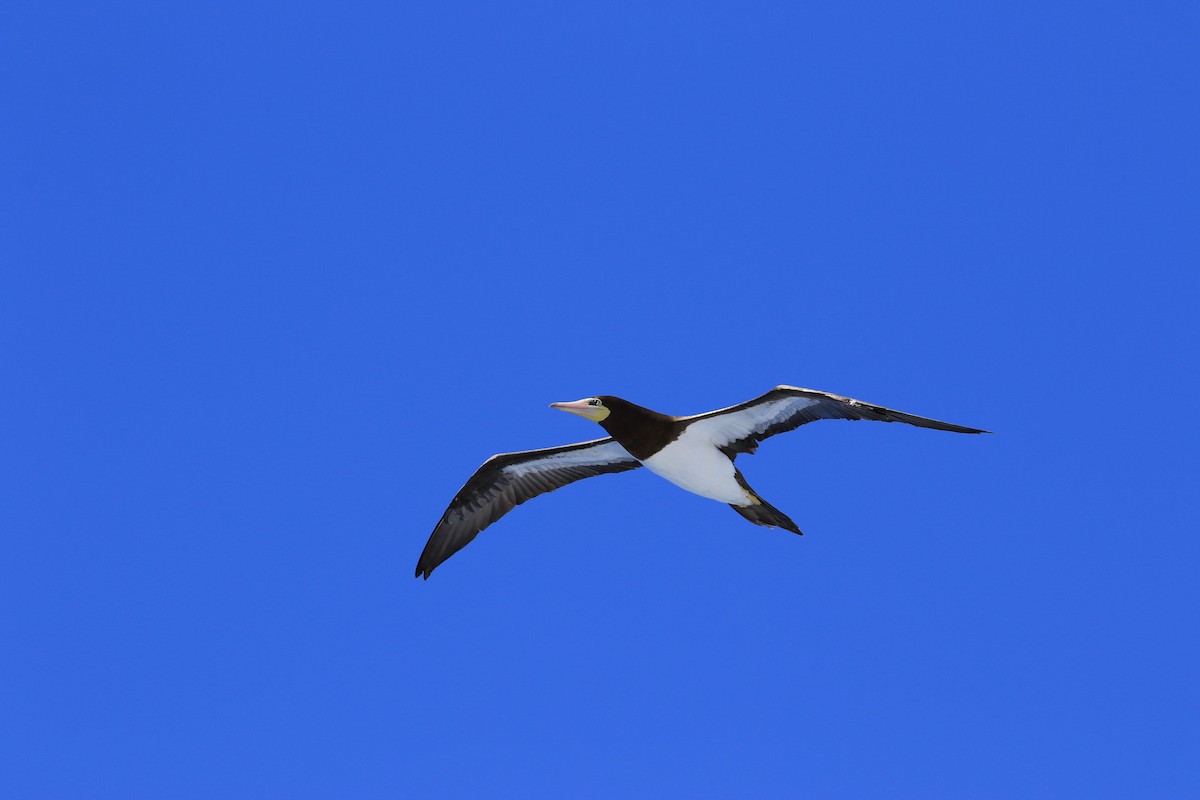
(692, 462)
(695, 453)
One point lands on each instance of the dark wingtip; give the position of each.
(962, 428)
(946, 426)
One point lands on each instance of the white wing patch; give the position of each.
(721, 429)
(607, 453)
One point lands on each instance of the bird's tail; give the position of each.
(763, 513)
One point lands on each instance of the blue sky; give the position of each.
(278, 277)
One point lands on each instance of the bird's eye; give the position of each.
(595, 401)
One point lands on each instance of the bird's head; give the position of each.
(592, 408)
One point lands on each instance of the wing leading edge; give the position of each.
(509, 479)
(740, 428)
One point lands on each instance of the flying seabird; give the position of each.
(695, 453)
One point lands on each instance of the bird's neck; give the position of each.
(639, 430)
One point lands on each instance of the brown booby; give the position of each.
(695, 453)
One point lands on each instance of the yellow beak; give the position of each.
(583, 408)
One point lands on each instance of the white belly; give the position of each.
(692, 462)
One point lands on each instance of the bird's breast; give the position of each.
(694, 463)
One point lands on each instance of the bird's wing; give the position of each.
(739, 429)
(509, 479)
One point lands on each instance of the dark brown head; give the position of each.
(640, 430)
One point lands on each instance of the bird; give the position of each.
(696, 453)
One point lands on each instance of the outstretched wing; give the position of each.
(509, 479)
(739, 429)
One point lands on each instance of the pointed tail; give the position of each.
(763, 513)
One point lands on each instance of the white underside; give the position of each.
(693, 462)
